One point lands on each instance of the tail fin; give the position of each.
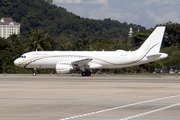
(153, 42)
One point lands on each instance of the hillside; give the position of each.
(38, 14)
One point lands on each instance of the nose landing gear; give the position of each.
(34, 72)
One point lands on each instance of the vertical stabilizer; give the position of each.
(153, 42)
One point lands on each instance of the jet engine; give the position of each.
(64, 68)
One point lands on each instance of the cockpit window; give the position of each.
(23, 56)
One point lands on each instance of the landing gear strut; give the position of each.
(34, 72)
(86, 73)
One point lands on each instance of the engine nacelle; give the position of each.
(61, 68)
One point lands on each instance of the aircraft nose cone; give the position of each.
(16, 62)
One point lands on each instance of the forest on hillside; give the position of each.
(38, 14)
(57, 29)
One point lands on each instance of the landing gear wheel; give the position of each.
(83, 73)
(34, 72)
(87, 73)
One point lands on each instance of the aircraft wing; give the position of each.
(80, 61)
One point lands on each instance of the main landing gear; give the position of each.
(86, 73)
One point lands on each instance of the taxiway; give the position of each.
(119, 97)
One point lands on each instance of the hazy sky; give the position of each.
(147, 13)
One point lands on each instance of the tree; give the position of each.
(3, 44)
(172, 34)
(139, 38)
(14, 40)
(38, 40)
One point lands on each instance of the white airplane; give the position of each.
(72, 61)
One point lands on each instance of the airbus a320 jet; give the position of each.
(85, 61)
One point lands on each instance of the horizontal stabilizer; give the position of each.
(157, 55)
(154, 55)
